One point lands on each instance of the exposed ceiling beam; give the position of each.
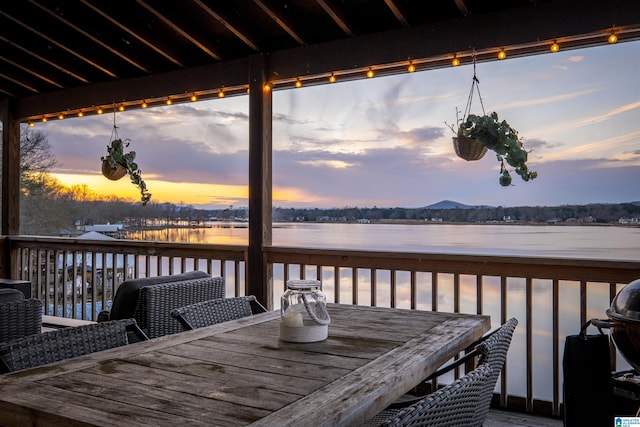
(46, 61)
(246, 40)
(462, 7)
(337, 19)
(19, 83)
(397, 13)
(280, 22)
(179, 30)
(33, 73)
(61, 46)
(525, 32)
(89, 36)
(132, 33)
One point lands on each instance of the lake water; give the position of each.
(591, 242)
(556, 241)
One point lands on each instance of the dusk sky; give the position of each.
(384, 141)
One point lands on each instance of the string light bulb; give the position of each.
(298, 83)
(144, 104)
(169, 101)
(411, 68)
(220, 94)
(266, 87)
(44, 120)
(332, 78)
(502, 54)
(100, 111)
(61, 117)
(613, 38)
(554, 47)
(370, 73)
(248, 90)
(121, 108)
(455, 61)
(80, 114)
(31, 124)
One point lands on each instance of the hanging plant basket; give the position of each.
(468, 148)
(475, 135)
(117, 163)
(112, 173)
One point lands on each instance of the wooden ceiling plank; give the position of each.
(46, 61)
(246, 40)
(462, 7)
(179, 30)
(525, 30)
(132, 33)
(397, 13)
(60, 45)
(9, 94)
(337, 19)
(19, 83)
(183, 81)
(33, 73)
(280, 22)
(90, 37)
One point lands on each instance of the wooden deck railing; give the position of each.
(550, 297)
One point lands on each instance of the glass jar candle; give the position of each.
(303, 311)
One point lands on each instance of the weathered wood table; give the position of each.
(239, 373)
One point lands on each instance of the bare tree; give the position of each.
(36, 157)
(42, 196)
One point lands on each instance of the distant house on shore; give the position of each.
(625, 220)
(111, 230)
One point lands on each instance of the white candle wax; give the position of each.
(293, 318)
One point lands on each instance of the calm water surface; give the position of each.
(585, 242)
(591, 242)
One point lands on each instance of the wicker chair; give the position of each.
(490, 350)
(493, 352)
(150, 300)
(20, 318)
(214, 311)
(153, 312)
(453, 405)
(126, 298)
(49, 347)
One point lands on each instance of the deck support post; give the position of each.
(10, 204)
(259, 275)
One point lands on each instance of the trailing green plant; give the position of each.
(117, 157)
(500, 137)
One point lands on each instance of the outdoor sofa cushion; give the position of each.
(9, 295)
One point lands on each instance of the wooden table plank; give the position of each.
(240, 373)
(349, 403)
(266, 363)
(211, 411)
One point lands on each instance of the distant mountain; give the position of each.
(449, 204)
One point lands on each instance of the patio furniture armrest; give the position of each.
(20, 318)
(65, 343)
(214, 311)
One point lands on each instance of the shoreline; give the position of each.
(423, 222)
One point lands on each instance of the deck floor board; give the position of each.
(499, 418)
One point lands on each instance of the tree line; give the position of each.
(590, 213)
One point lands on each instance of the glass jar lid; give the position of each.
(303, 285)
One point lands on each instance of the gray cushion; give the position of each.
(126, 298)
